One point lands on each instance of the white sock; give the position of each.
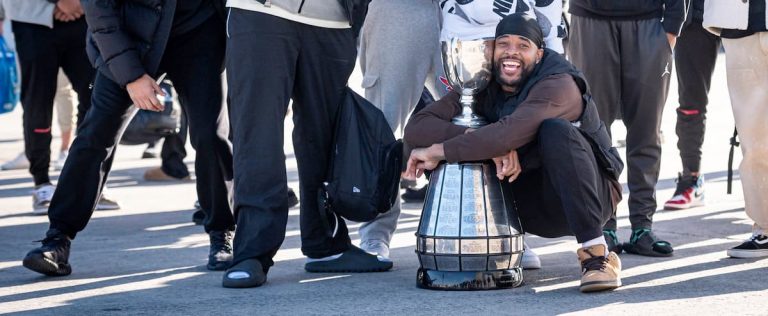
(597, 241)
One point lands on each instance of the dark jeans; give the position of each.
(174, 151)
(695, 57)
(562, 191)
(194, 63)
(627, 64)
(270, 61)
(42, 51)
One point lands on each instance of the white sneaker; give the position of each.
(376, 247)
(106, 203)
(41, 198)
(530, 260)
(59, 163)
(20, 162)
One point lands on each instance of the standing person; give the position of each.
(49, 35)
(399, 55)
(742, 26)
(695, 57)
(549, 147)
(624, 49)
(129, 48)
(276, 51)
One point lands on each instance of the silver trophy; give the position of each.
(469, 236)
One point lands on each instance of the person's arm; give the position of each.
(675, 12)
(550, 17)
(117, 49)
(554, 97)
(433, 124)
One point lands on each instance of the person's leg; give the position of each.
(594, 48)
(646, 63)
(747, 68)
(397, 44)
(262, 52)
(65, 115)
(194, 63)
(75, 64)
(695, 57)
(173, 152)
(83, 176)
(38, 60)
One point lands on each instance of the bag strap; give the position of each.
(734, 143)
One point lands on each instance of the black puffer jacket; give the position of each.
(126, 39)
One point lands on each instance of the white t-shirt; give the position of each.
(476, 19)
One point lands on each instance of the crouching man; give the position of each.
(546, 139)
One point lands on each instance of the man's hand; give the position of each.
(71, 8)
(672, 39)
(144, 91)
(423, 159)
(508, 166)
(61, 16)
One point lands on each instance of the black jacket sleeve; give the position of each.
(674, 15)
(116, 47)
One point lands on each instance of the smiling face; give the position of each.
(514, 58)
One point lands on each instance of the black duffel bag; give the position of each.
(365, 164)
(150, 126)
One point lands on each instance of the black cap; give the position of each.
(521, 24)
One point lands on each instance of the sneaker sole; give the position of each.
(42, 265)
(675, 207)
(40, 211)
(107, 207)
(737, 253)
(597, 286)
(384, 268)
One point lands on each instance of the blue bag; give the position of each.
(9, 78)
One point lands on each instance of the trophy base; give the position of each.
(469, 280)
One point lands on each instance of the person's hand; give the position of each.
(672, 39)
(61, 16)
(143, 93)
(508, 166)
(423, 159)
(71, 8)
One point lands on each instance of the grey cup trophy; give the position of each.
(469, 235)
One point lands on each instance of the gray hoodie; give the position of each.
(329, 10)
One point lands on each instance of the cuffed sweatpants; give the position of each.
(194, 62)
(564, 192)
(271, 60)
(42, 51)
(695, 57)
(627, 64)
(399, 55)
(746, 62)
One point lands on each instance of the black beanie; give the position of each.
(521, 24)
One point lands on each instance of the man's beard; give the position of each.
(525, 72)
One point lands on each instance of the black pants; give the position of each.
(627, 64)
(194, 62)
(562, 191)
(695, 58)
(174, 151)
(42, 51)
(270, 61)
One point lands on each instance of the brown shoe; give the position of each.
(157, 174)
(600, 272)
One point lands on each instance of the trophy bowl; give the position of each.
(468, 67)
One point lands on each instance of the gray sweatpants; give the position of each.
(628, 64)
(399, 55)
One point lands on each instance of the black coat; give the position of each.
(126, 39)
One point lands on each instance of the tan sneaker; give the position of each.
(157, 174)
(600, 272)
